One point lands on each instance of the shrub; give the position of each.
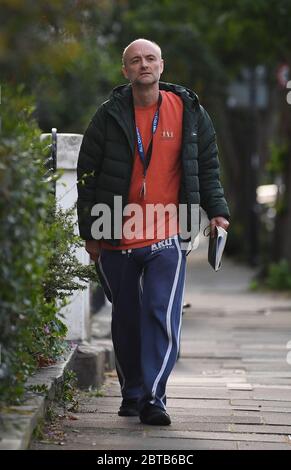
(279, 276)
(38, 268)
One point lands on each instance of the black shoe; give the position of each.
(129, 407)
(151, 414)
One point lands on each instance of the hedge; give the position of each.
(38, 267)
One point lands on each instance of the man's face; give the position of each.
(143, 64)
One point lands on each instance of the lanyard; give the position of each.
(145, 159)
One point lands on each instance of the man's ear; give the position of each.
(124, 72)
(162, 66)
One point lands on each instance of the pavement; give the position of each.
(230, 389)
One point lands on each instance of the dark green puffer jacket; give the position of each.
(107, 154)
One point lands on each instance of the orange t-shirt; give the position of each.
(163, 176)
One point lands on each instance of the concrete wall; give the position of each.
(77, 312)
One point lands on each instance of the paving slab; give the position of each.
(262, 404)
(276, 418)
(262, 446)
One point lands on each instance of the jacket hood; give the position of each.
(125, 91)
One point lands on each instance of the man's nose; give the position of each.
(144, 63)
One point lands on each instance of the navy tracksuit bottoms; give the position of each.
(146, 288)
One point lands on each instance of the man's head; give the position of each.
(142, 62)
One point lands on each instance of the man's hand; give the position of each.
(220, 221)
(93, 248)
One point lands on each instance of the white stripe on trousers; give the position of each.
(181, 316)
(168, 320)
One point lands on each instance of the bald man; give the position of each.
(150, 144)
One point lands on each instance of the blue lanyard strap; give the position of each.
(145, 159)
